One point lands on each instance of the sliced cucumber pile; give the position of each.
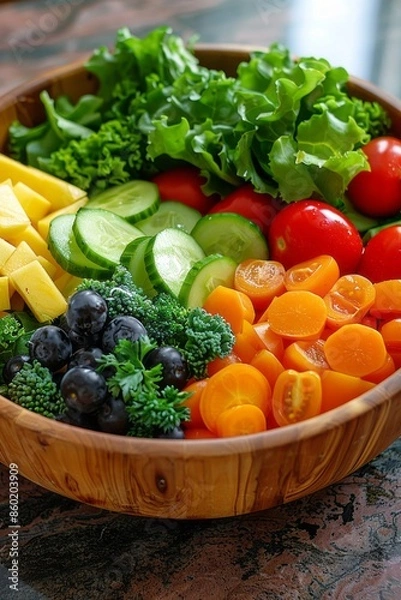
(171, 248)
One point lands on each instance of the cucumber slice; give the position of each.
(102, 235)
(133, 258)
(170, 214)
(232, 235)
(64, 248)
(204, 276)
(133, 201)
(169, 256)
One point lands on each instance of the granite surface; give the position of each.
(342, 543)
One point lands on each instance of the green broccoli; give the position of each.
(14, 335)
(151, 410)
(33, 388)
(123, 297)
(198, 335)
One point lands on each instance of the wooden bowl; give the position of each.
(191, 479)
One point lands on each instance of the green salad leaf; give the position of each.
(286, 125)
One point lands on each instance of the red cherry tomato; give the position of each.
(381, 258)
(377, 193)
(259, 208)
(308, 228)
(184, 184)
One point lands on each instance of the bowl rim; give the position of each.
(280, 436)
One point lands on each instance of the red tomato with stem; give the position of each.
(377, 193)
(259, 208)
(307, 228)
(381, 258)
(184, 184)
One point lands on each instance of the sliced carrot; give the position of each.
(268, 364)
(387, 304)
(296, 396)
(391, 332)
(349, 300)
(219, 363)
(339, 388)
(355, 349)
(232, 386)
(318, 275)
(199, 433)
(260, 280)
(244, 419)
(387, 369)
(297, 315)
(231, 304)
(195, 388)
(305, 356)
(271, 341)
(247, 343)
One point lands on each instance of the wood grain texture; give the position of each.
(194, 479)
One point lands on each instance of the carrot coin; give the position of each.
(233, 385)
(297, 315)
(241, 420)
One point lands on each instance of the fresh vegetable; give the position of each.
(381, 258)
(152, 411)
(296, 396)
(245, 201)
(200, 336)
(298, 315)
(317, 275)
(15, 332)
(34, 388)
(377, 192)
(287, 126)
(349, 300)
(260, 280)
(184, 184)
(305, 229)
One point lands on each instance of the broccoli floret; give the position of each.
(33, 388)
(166, 321)
(13, 339)
(123, 297)
(207, 337)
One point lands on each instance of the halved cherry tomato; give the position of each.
(296, 396)
(260, 280)
(349, 300)
(304, 229)
(243, 419)
(317, 275)
(381, 258)
(377, 193)
(259, 208)
(184, 184)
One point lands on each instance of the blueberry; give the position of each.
(113, 417)
(51, 346)
(85, 357)
(86, 313)
(174, 366)
(123, 327)
(83, 389)
(13, 366)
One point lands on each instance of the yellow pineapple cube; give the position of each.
(43, 224)
(35, 205)
(33, 238)
(39, 292)
(4, 293)
(6, 249)
(50, 268)
(58, 192)
(13, 218)
(22, 255)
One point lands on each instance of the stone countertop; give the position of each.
(341, 543)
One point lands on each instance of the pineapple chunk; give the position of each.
(4, 293)
(13, 218)
(58, 192)
(22, 255)
(6, 249)
(49, 267)
(33, 238)
(43, 224)
(39, 292)
(35, 205)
